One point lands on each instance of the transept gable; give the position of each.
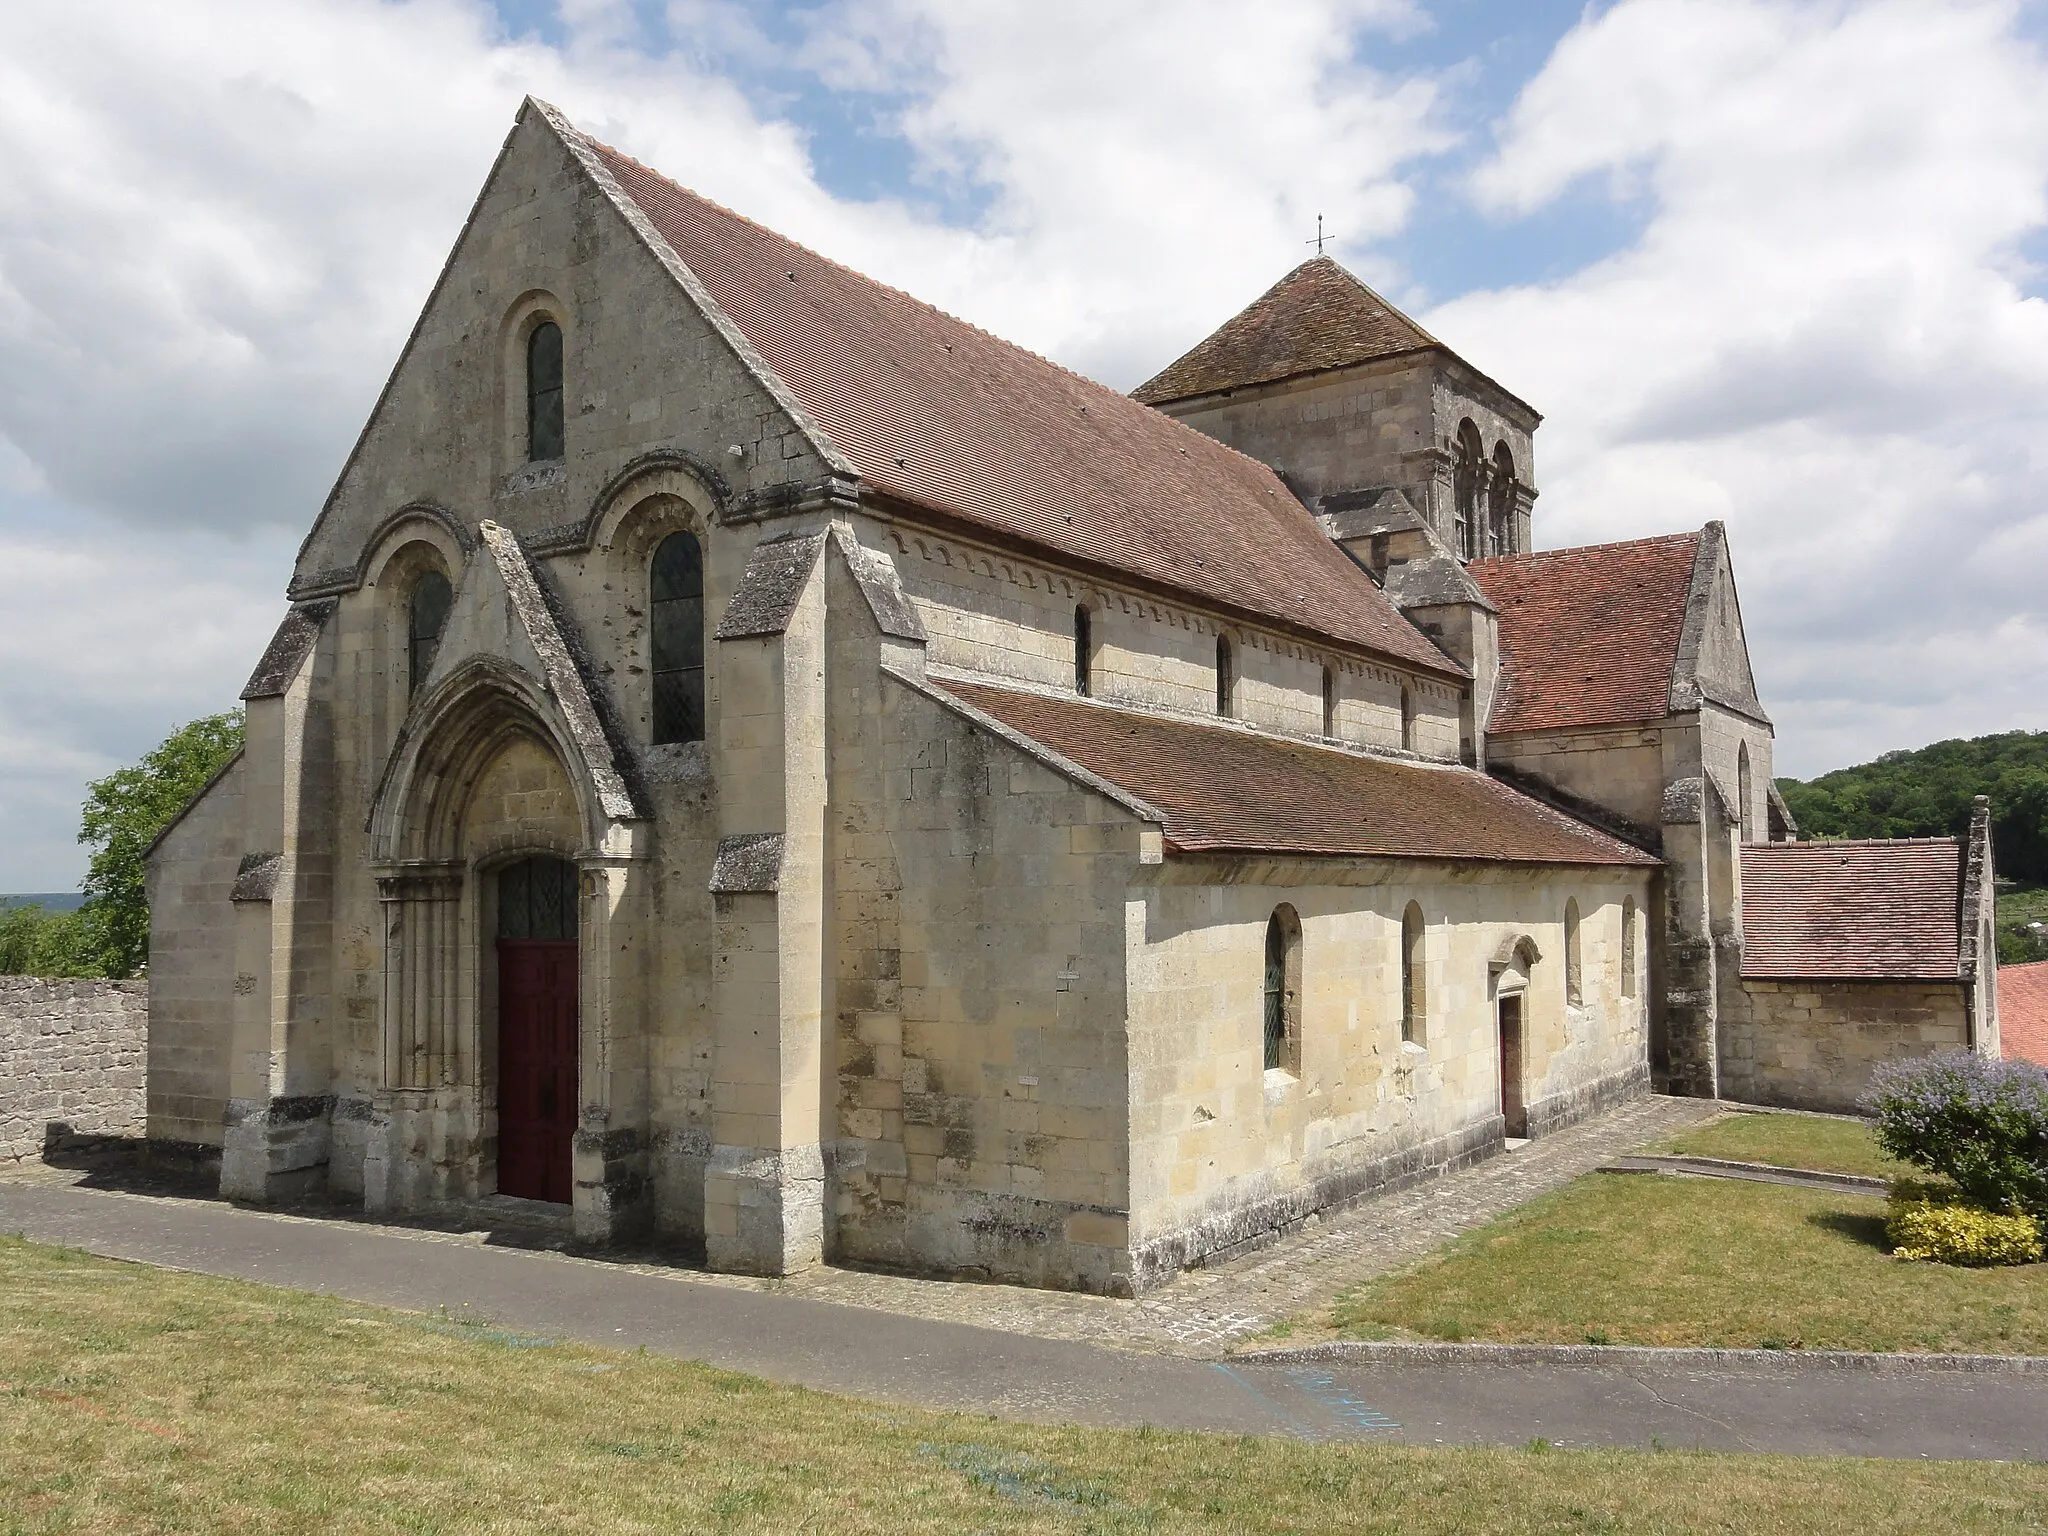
(1713, 653)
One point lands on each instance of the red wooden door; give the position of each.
(536, 1067)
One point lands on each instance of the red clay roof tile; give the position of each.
(1588, 636)
(1227, 790)
(2023, 1012)
(941, 415)
(1864, 910)
(1316, 317)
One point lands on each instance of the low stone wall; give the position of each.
(71, 1053)
(1812, 1044)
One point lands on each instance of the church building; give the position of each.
(756, 761)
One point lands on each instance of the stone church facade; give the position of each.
(755, 760)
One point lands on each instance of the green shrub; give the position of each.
(1982, 1124)
(1933, 1223)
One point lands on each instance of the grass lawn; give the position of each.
(134, 1399)
(1644, 1259)
(1791, 1141)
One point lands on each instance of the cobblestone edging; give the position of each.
(1645, 1357)
(1755, 1173)
(72, 1052)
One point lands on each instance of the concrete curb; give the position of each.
(1642, 1357)
(1758, 1173)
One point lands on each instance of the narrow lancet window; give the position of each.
(544, 392)
(426, 615)
(1226, 677)
(676, 632)
(1413, 972)
(1407, 719)
(1501, 503)
(1329, 701)
(1628, 946)
(1083, 651)
(1283, 990)
(1574, 976)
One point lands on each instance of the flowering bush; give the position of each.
(1981, 1124)
(1946, 1232)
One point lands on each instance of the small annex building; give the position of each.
(753, 758)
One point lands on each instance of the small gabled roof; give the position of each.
(936, 414)
(1588, 636)
(2023, 1012)
(1878, 909)
(1315, 318)
(1224, 789)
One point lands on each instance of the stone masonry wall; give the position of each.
(1812, 1044)
(70, 1052)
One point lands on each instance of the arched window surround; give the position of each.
(1629, 951)
(522, 320)
(1500, 501)
(1574, 969)
(1414, 977)
(544, 374)
(1281, 994)
(1468, 482)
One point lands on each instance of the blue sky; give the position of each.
(1774, 262)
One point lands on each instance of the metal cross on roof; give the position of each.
(1320, 236)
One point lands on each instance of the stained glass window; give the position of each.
(426, 616)
(676, 627)
(544, 392)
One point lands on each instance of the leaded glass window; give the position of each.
(676, 628)
(544, 392)
(537, 899)
(426, 616)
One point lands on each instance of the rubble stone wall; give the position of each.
(71, 1052)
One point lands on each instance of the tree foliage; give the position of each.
(1927, 793)
(34, 942)
(123, 814)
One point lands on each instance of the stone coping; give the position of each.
(1760, 1173)
(1645, 1357)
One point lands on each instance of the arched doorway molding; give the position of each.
(439, 997)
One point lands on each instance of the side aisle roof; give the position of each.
(938, 415)
(1224, 790)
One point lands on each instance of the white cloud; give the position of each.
(1821, 337)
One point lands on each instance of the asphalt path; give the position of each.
(880, 1355)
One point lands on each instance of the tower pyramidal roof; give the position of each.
(1315, 318)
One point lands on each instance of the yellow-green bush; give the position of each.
(1929, 1222)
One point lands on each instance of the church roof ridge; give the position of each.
(936, 413)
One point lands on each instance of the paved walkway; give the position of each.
(1206, 1311)
(879, 1355)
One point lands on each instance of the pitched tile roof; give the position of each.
(1229, 790)
(2023, 1012)
(1865, 910)
(1316, 317)
(1588, 636)
(946, 417)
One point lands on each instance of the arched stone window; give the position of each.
(1574, 976)
(1407, 718)
(1226, 677)
(1501, 503)
(1414, 983)
(1283, 990)
(1468, 479)
(1628, 946)
(544, 392)
(675, 607)
(1329, 701)
(426, 615)
(1084, 650)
